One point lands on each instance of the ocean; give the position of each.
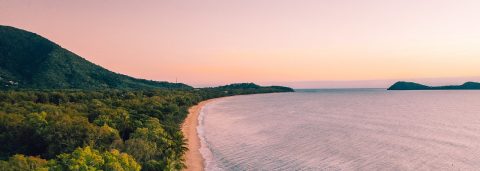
(345, 129)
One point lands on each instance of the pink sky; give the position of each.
(212, 42)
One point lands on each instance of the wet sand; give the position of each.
(193, 157)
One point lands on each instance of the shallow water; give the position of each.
(363, 129)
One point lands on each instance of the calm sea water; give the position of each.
(367, 129)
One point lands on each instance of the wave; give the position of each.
(209, 162)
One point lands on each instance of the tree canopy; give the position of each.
(99, 129)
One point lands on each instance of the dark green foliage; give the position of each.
(401, 85)
(142, 123)
(239, 89)
(29, 61)
(90, 159)
(253, 87)
(23, 163)
(56, 105)
(50, 123)
(240, 86)
(415, 86)
(465, 86)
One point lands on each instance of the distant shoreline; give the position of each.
(403, 85)
(193, 158)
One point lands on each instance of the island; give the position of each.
(403, 85)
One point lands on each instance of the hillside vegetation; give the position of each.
(61, 112)
(29, 61)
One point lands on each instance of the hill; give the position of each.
(415, 86)
(30, 61)
(63, 108)
(402, 85)
(247, 86)
(251, 88)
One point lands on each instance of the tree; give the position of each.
(106, 138)
(47, 123)
(19, 162)
(11, 134)
(65, 133)
(154, 137)
(88, 159)
(81, 159)
(117, 118)
(17, 133)
(142, 150)
(114, 160)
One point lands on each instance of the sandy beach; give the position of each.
(193, 157)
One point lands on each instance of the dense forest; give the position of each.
(100, 130)
(59, 111)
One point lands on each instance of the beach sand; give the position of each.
(193, 157)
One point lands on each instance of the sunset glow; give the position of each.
(215, 42)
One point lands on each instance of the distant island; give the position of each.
(402, 85)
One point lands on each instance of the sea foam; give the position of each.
(207, 155)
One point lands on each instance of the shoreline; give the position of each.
(193, 158)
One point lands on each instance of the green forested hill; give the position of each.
(60, 112)
(29, 61)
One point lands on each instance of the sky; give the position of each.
(300, 43)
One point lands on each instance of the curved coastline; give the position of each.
(197, 149)
(193, 157)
